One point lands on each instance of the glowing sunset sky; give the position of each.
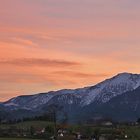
(55, 44)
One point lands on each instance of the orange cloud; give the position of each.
(39, 62)
(79, 74)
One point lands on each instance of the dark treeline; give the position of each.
(44, 117)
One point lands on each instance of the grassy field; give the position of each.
(66, 138)
(28, 124)
(16, 139)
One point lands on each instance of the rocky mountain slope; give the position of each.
(102, 100)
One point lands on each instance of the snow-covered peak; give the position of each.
(129, 79)
(112, 87)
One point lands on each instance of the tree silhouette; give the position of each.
(53, 110)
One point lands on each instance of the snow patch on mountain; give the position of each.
(10, 104)
(110, 88)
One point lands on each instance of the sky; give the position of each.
(56, 44)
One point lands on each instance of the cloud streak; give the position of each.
(39, 62)
(79, 74)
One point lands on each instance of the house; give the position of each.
(107, 123)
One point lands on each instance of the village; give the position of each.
(42, 130)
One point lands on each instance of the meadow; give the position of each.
(16, 139)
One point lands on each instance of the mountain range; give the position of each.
(117, 98)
